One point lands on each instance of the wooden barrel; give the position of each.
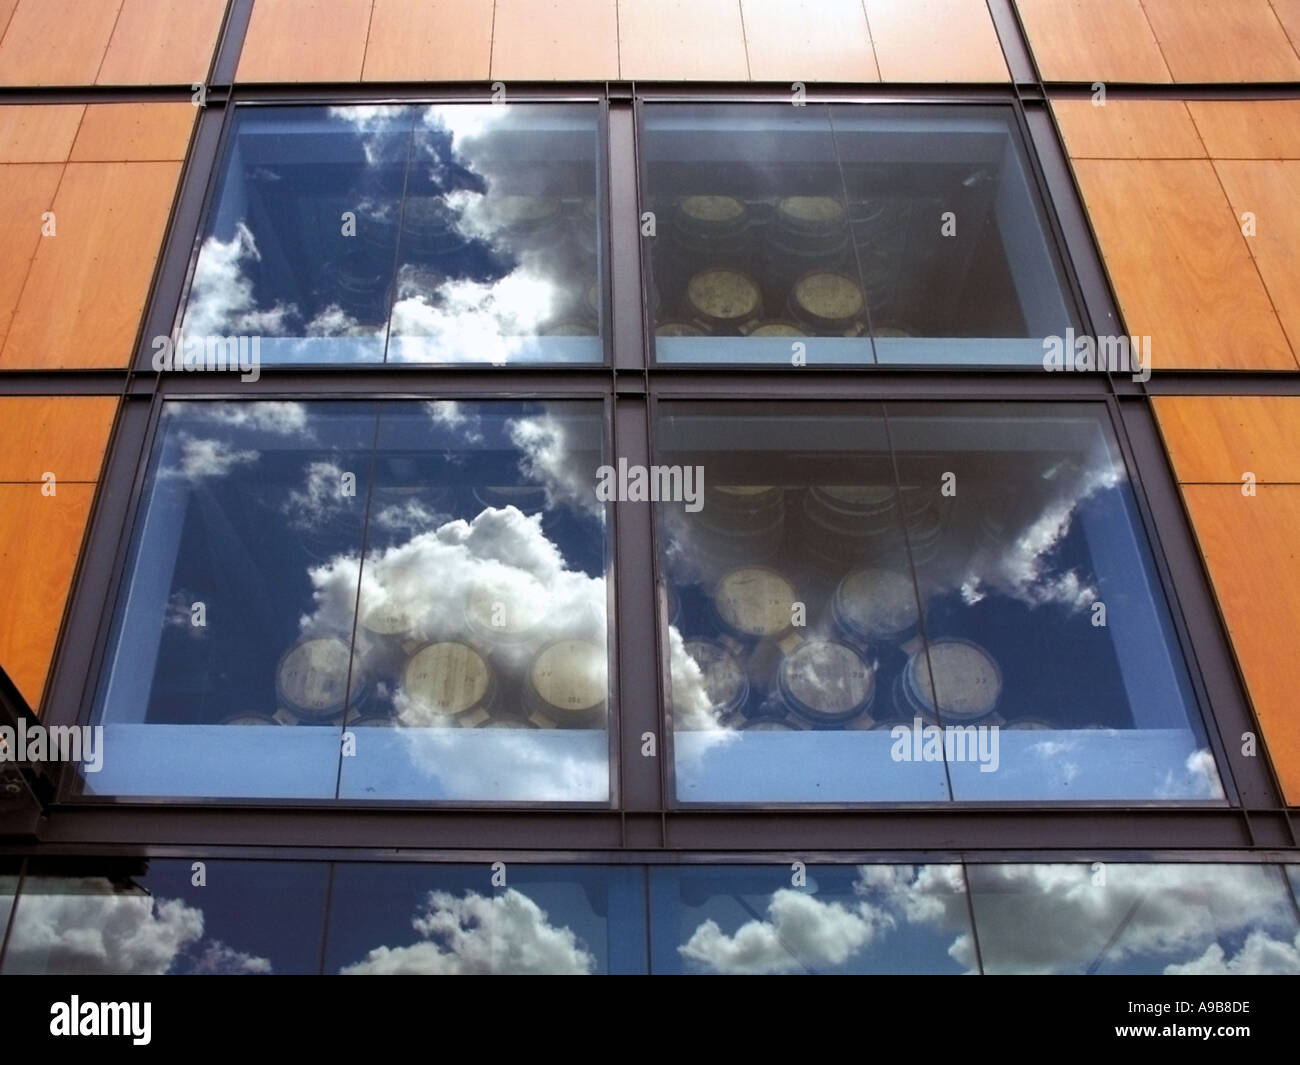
(567, 685)
(755, 602)
(829, 302)
(312, 678)
(448, 683)
(725, 683)
(358, 284)
(711, 229)
(825, 683)
(496, 619)
(723, 299)
(874, 606)
(775, 327)
(967, 676)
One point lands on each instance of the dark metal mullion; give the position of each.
(13, 910)
(230, 42)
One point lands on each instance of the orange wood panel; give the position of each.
(26, 192)
(38, 133)
(162, 42)
(1248, 129)
(87, 287)
(56, 42)
(305, 40)
(1209, 40)
(1180, 265)
(1252, 547)
(1270, 189)
(429, 40)
(40, 539)
(1217, 439)
(113, 133)
(935, 40)
(63, 435)
(681, 40)
(808, 40)
(540, 39)
(6, 9)
(1092, 40)
(1128, 129)
(1288, 13)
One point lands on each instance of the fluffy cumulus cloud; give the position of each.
(477, 934)
(321, 498)
(547, 456)
(221, 300)
(1260, 955)
(800, 932)
(101, 933)
(201, 458)
(271, 416)
(217, 958)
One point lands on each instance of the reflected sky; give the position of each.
(426, 565)
(446, 234)
(855, 570)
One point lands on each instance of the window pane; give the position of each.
(9, 869)
(136, 916)
(453, 920)
(847, 234)
(478, 561)
(839, 564)
(466, 233)
(838, 920)
(1134, 919)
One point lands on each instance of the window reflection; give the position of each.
(824, 234)
(137, 916)
(436, 569)
(461, 920)
(1110, 918)
(925, 601)
(758, 920)
(464, 233)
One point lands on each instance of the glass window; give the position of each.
(404, 600)
(916, 602)
(1110, 918)
(462, 920)
(9, 870)
(450, 233)
(904, 234)
(821, 920)
(138, 916)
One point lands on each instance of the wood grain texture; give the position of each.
(1209, 40)
(87, 286)
(1180, 265)
(63, 435)
(535, 40)
(38, 133)
(935, 40)
(305, 40)
(1248, 129)
(112, 133)
(808, 40)
(40, 539)
(1128, 129)
(1092, 40)
(681, 40)
(1288, 13)
(26, 192)
(1252, 549)
(429, 40)
(1217, 439)
(1270, 189)
(56, 42)
(162, 42)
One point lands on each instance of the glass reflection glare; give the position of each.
(418, 587)
(464, 233)
(917, 602)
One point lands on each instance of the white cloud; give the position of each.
(801, 932)
(548, 457)
(287, 419)
(101, 933)
(451, 415)
(321, 497)
(220, 959)
(221, 299)
(1260, 955)
(202, 458)
(508, 933)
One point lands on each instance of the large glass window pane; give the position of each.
(909, 602)
(138, 916)
(847, 234)
(464, 920)
(9, 870)
(822, 919)
(1134, 919)
(317, 569)
(465, 233)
